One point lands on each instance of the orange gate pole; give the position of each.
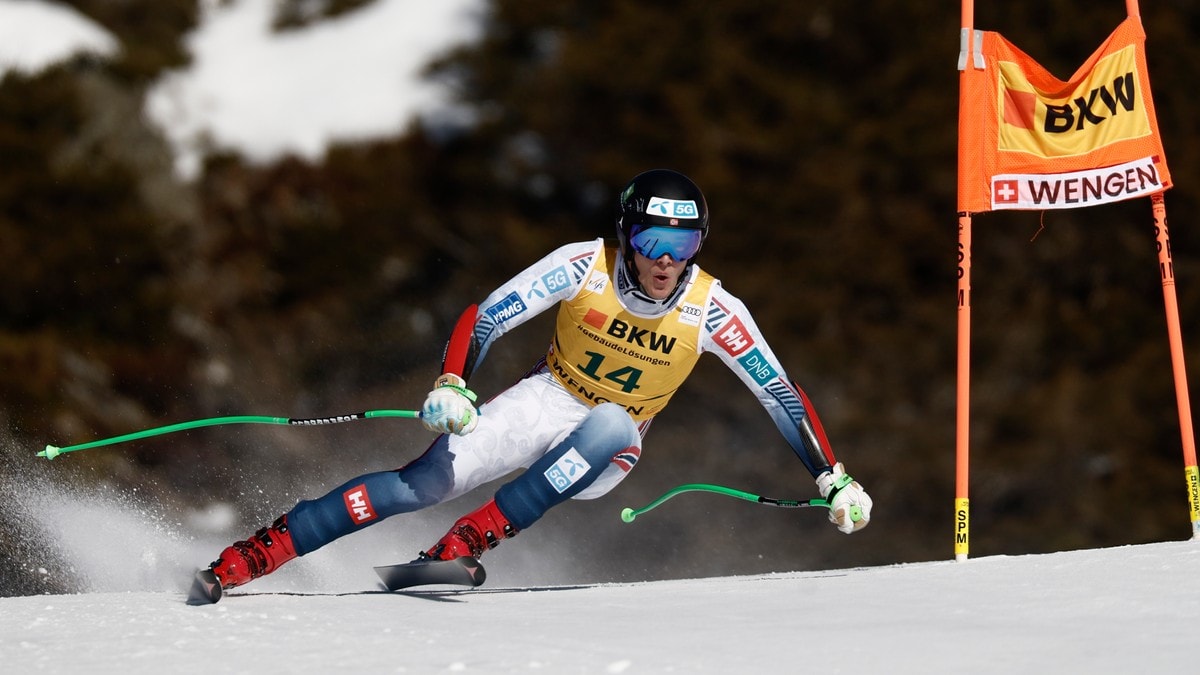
(1166, 268)
(962, 504)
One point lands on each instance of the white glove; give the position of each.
(449, 408)
(849, 503)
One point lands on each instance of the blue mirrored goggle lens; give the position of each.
(653, 242)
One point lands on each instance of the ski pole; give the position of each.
(629, 514)
(52, 451)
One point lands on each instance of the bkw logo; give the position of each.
(1087, 110)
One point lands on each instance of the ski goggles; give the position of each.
(653, 241)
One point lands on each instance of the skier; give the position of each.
(633, 318)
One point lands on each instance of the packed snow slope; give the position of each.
(1120, 610)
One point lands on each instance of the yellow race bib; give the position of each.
(601, 352)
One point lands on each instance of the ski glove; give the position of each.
(849, 503)
(449, 408)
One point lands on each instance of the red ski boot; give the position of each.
(474, 533)
(259, 555)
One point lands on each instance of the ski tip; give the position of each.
(205, 588)
(475, 571)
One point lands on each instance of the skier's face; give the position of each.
(658, 277)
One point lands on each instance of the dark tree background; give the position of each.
(823, 134)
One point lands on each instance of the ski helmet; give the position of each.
(661, 211)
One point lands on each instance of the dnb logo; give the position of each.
(734, 338)
(758, 367)
(567, 471)
(358, 505)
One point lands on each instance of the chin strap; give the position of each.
(633, 295)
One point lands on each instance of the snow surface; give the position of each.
(268, 94)
(35, 34)
(1117, 610)
(1120, 610)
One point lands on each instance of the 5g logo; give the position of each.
(556, 279)
(673, 208)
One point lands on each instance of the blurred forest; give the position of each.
(823, 134)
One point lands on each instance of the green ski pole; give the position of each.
(629, 514)
(52, 451)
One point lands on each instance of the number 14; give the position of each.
(626, 376)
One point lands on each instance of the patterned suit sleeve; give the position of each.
(554, 278)
(731, 333)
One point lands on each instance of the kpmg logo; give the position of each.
(673, 208)
(510, 306)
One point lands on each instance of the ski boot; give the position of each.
(474, 533)
(259, 555)
(246, 560)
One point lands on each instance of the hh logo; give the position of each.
(358, 505)
(733, 338)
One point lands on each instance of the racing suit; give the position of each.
(575, 422)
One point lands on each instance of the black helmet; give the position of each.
(661, 198)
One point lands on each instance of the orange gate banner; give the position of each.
(1028, 140)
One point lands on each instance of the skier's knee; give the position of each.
(429, 477)
(606, 430)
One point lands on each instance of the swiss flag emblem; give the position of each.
(1005, 192)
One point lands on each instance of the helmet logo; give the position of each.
(673, 208)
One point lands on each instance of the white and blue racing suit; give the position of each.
(576, 421)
